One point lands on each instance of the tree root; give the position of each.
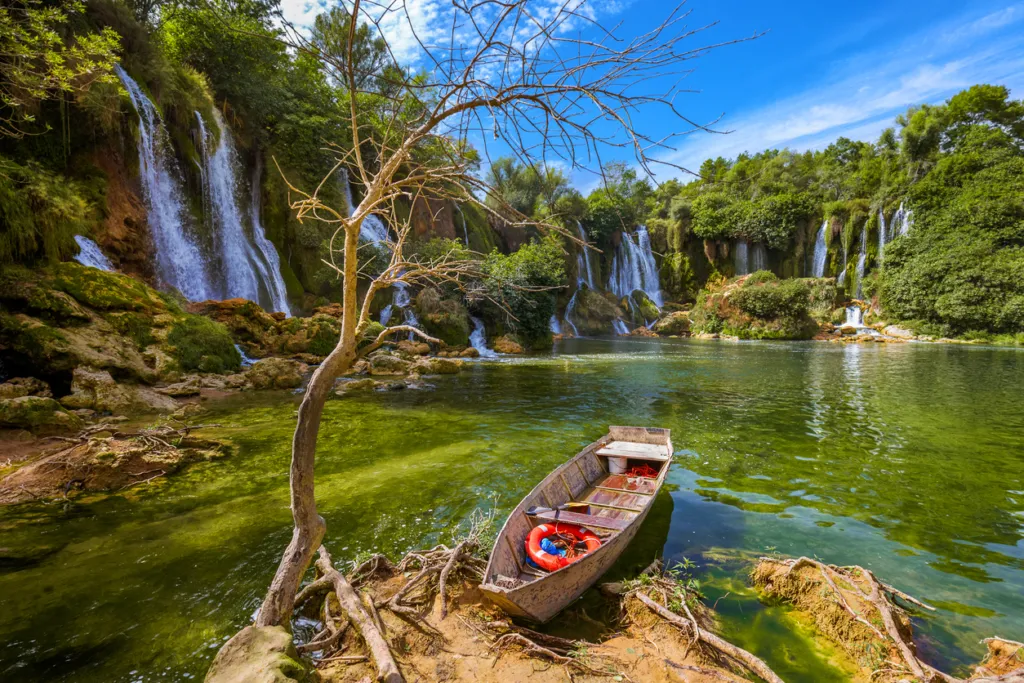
(365, 625)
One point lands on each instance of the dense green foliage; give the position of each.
(524, 284)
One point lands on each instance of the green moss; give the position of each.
(138, 328)
(204, 345)
(105, 291)
(323, 334)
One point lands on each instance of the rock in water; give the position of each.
(258, 654)
(506, 345)
(674, 324)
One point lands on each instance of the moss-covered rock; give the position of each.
(439, 366)
(37, 413)
(276, 373)
(443, 317)
(199, 344)
(675, 324)
(387, 364)
(506, 344)
(592, 313)
(258, 654)
(97, 390)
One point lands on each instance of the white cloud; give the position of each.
(872, 89)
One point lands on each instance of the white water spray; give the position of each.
(89, 254)
(619, 327)
(478, 338)
(251, 268)
(634, 268)
(741, 259)
(820, 254)
(179, 261)
(861, 260)
(584, 272)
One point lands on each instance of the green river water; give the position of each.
(908, 459)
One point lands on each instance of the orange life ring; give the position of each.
(546, 560)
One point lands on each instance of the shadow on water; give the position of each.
(908, 459)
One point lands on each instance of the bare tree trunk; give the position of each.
(309, 525)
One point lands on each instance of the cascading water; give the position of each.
(570, 310)
(902, 220)
(842, 274)
(619, 327)
(89, 254)
(741, 260)
(251, 268)
(854, 317)
(554, 325)
(584, 272)
(634, 268)
(861, 260)
(820, 252)
(465, 228)
(883, 236)
(179, 261)
(478, 338)
(759, 258)
(246, 360)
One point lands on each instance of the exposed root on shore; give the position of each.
(107, 457)
(870, 620)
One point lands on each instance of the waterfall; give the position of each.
(385, 315)
(619, 327)
(759, 259)
(741, 259)
(861, 259)
(465, 228)
(902, 220)
(251, 269)
(882, 236)
(554, 325)
(89, 254)
(404, 302)
(179, 261)
(478, 338)
(842, 274)
(820, 252)
(854, 317)
(267, 250)
(584, 273)
(569, 310)
(633, 268)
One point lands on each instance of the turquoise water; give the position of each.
(908, 459)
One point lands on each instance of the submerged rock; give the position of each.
(386, 364)
(439, 366)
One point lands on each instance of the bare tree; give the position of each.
(546, 79)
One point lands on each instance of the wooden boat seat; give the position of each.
(621, 500)
(635, 451)
(601, 521)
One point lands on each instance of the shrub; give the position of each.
(759, 278)
(204, 345)
(523, 283)
(782, 299)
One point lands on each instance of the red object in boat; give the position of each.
(546, 560)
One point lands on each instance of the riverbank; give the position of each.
(837, 451)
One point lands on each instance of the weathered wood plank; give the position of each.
(583, 520)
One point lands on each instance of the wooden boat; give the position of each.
(611, 505)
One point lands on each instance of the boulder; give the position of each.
(276, 373)
(355, 386)
(848, 330)
(675, 324)
(386, 364)
(413, 348)
(334, 309)
(506, 345)
(643, 332)
(258, 654)
(469, 352)
(37, 413)
(11, 390)
(592, 313)
(97, 390)
(188, 387)
(439, 366)
(898, 332)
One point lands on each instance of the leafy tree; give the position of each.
(40, 61)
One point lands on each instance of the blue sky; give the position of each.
(823, 69)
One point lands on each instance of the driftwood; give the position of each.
(364, 624)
